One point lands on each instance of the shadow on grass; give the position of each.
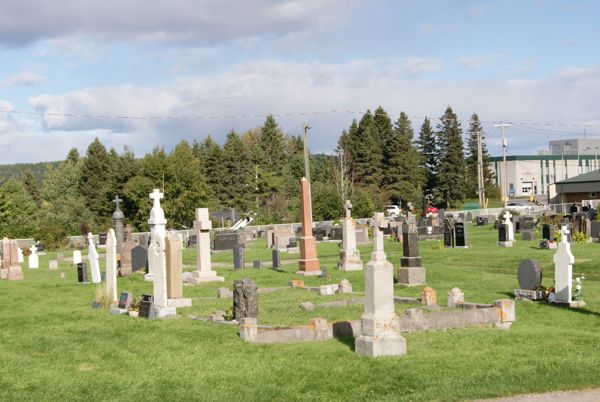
(342, 331)
(348, 340)
(575, 310)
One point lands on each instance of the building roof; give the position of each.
(583, 178)
(580, 157)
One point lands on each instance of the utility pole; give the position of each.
(504, 187)
(480, 179)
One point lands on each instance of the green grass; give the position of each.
(56, 347)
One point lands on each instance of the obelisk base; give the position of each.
(309, 267)
(411, 276)
(204, 277)
(350, 261)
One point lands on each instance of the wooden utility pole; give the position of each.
(480, 178)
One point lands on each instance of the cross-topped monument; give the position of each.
(348, 207)
(117, 201)
(563, 268)
(118, 223)
(157, 215)
(158, 232)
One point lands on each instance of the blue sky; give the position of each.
(536, 63)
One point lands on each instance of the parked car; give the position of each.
(518, 207)
(392, 210)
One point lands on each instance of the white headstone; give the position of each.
(19, 255)
(111, 265)
(93, 259)
(380, 332)
(157, 224)
(34, 260)
(349, 256)
(204, 272)
(76, 257)
(511, 230)
(563, 268)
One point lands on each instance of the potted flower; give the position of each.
(134, 308)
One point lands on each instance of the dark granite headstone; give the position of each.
(293, 243)
(529, 275)
(192, 240)
(257, 264)
(146, 306)
(82, 276)
(502, 232)
(548, 232)
(573, 209)
(245, 299)
(460, 234)
(482, 220)
(276, 258)
(125, 300)
(410, 246)
(469, 217)
(238, 257)
(319, 233)
(102, 239)
(449, 238)
(336, 233)
(139, 258)
(227, 239)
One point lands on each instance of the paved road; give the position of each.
(583, 395)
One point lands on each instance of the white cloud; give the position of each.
(477, 62)
(184, 21)
(23, 78)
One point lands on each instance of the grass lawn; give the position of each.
(56, 347)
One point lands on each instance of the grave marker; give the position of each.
(309, 262)
(203, 272)
(93, 259)
(33, 259)
(563, 269)
(111, 265)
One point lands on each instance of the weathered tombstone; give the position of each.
(203, 272)
(529, 276)
(76, 257)
(276, 259)
(5, 257)
(33, 259)
(257, 264)
(14, 269)
(455, 298)
(563, 269)
(125, 300)
(449, 239)
(336, 233)
(319, 233)
(510, 228)
(82, 274)
(93, 259)
(126, 253)
(460, 235)
(349, 255)
(157, 259)
(146, 306)
(428, 296)
(173, 255)
(53, 265)
(548, 232)
(308, 263)
(102, 239)
(245, 299)
(503, 235)
(111, 265)
(238, 257)
(118, 223)
(20, 258)
(139, 258)
(227, 239)
(411, 271)
(482, 220)
(469, 218)
(527, 235)
(380, 334)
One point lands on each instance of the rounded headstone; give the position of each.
(529, 275)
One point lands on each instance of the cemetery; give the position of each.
(453, 318)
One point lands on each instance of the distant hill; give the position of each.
(17, 171)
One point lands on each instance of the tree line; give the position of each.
(376, 162)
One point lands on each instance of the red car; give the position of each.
(431, 210)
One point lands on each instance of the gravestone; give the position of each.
(548, 232)
(53, 265)
(510, 233)
(257, 264)
(111, 265)
(469, 218)
(118, 223)
(349, 255)
(126, 253)
(380, 332)
(245, 299)
(173, 256)
(460, 235)
(238, 257)
(411, 271)
(227, 239)
(203, 272)
(595, 229)
(102, 239)
(146, 306)
(139, 258)
(319, 233)
(529, 275)
(76, 257)
(20, 255)
(449, 239)
(563, 269)
(82, 274)
(33, 259)
(308, 264)
(336, 233)
(362, 234)
(482, 221)
(276, 259)
(456, 298)
(125, 300)
(428, 296)
(527, 235)
(93, 259)
(441, 214)
(503, 235)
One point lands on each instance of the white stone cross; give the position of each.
(378, 221)
(348, 207)
(563, 268)
(156, 196)
(564, 231)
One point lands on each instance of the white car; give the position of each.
(392, 210)
(518, 207)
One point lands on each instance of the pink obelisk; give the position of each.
(308, 263)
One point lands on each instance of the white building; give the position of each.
(534, 174)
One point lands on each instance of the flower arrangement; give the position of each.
(578, 288)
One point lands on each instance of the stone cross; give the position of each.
(348, 207)
(117, 201)
(34, 261)
(377, 222)
(563, 268)
(155, 196)
(203, 272)
(93, 259)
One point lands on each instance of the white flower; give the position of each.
(578, 287)
(578, 280)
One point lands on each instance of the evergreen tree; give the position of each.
(238, 174)
(17, 210)
(73, 155)
(429, 158)
(384, 126)
(365, 145)
(402, 175)
(471, 161)
(32, 186)
(451, 179)
(94, 175)
(271, 142)
(211, 165)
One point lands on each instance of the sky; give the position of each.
(143, 74)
